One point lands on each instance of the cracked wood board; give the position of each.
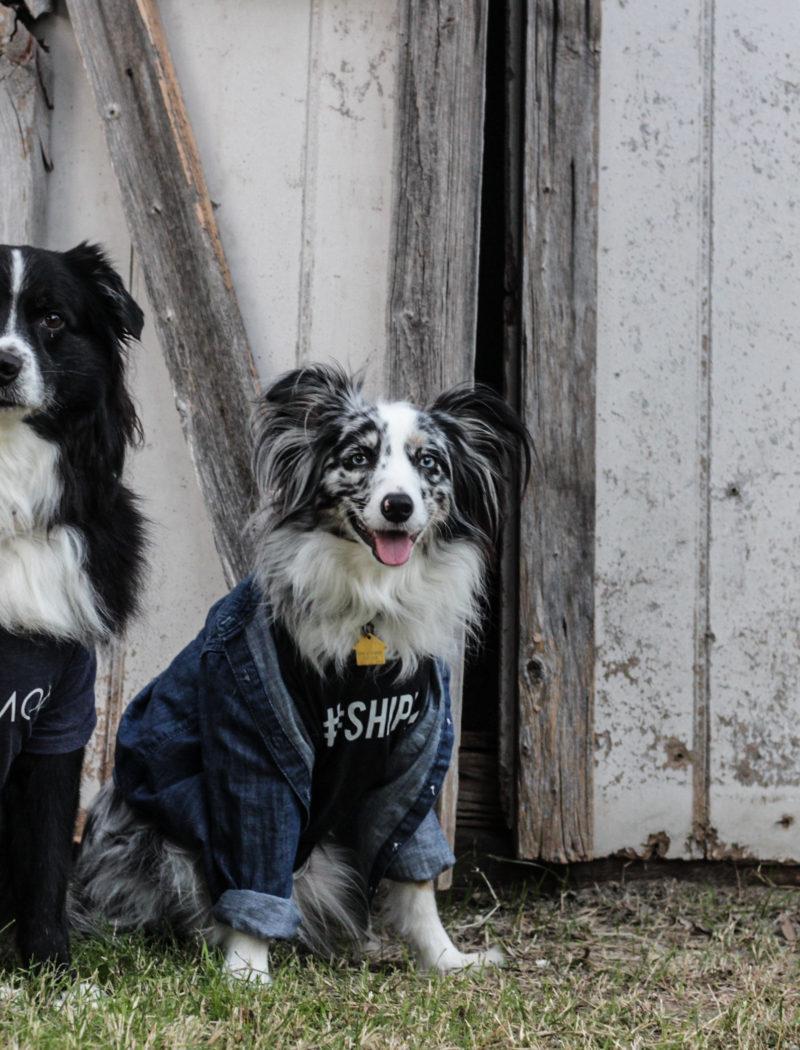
(755, 442)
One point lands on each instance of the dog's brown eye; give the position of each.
(53, 322)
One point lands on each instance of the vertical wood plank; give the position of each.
(556, 651)
(24, 132)
(436, 218)
(650, 564)
(347, 184)
(436, 207)
(172, 225)
(755, 433)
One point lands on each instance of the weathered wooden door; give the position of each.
(678, 737)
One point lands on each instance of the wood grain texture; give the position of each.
(172, 226)
(556, 651)
(433, 277)
(24, 132)
(439, 145)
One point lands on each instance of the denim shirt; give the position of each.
(214, 753)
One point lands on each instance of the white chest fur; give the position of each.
(44, 586)
(30, 488)
(325, 589)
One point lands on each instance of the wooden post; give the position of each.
(559, 244)
(24, 132)
(436, 208)
(172, 226)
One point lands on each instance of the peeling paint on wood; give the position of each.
(697, 421)
(347, 183)
(656, 847)
(755, 483)
(651, 436)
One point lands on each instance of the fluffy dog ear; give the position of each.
(289, 417)
(486, 436)
(305, 396)
(120, 311)
(116, 318)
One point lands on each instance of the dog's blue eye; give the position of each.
(427, 461)
(52, 322)
(356, 460)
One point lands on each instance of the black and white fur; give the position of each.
(370, 513)
(71, 537)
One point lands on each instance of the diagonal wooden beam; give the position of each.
(433, 284)
(173, 230)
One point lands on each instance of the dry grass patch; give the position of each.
(660, 964)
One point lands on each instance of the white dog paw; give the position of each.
(247, 958)
(453, 961)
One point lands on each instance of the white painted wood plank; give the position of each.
(649, 398)
(349, 167)
(292, 107)
(242, 70)
(755, 562)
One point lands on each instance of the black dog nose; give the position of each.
(397, 507)
(10, 367)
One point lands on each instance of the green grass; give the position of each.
(662, 965)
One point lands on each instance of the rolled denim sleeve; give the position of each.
(259, 914)
(254, 824)
(423, 856)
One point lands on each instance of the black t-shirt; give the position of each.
(46, 697)
(354, 720)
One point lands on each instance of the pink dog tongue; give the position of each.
(393, 548)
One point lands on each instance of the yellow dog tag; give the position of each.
(370, 651)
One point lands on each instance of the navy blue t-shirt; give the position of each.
(46, 697)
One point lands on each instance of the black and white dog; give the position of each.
(371, 514)
(71, 545)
